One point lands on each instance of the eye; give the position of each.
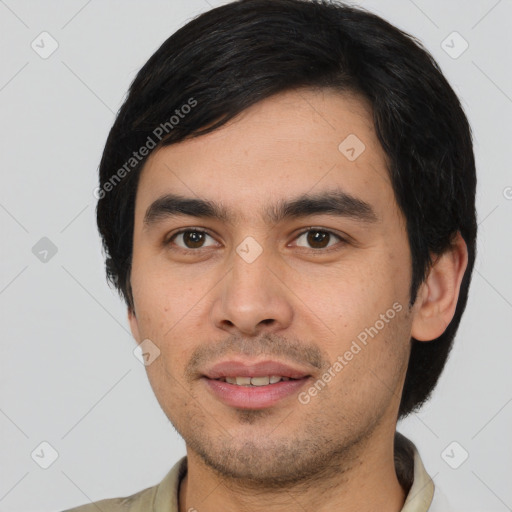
(190, 239)
(318, 238)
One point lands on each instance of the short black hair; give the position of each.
(233, 56)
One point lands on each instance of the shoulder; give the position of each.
(159, 498)
(140, 501)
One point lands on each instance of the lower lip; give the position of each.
(253, 397)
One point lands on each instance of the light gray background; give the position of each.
(68, 374)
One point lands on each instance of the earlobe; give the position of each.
(438, 295)
(134, 326)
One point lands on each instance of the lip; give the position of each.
(239, 368)
(253, 397)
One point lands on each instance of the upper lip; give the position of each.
(239, 368)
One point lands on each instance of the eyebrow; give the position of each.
(336, 203)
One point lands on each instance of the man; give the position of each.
(287, 203)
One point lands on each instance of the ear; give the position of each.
(438, 294)
(134, 325)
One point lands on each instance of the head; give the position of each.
(252, 106)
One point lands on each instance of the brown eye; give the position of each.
(190, 239)
(318, 238)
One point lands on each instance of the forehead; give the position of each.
(296, 142)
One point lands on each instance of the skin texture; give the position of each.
(301, 301)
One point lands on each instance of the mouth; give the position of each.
(255, 381)
(246, 384)
(245, 371)
(254, 392)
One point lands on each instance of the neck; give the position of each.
(364, 481)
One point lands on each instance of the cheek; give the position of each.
(167, 306)
(162, 297)
(360, 289)
(167, 386)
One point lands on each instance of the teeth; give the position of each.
(255, 381)
(259, 381)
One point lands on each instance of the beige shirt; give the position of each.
(163, 497)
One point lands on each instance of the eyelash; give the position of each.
(342, 240)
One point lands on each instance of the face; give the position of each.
(297, 265)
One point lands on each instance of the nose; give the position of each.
(252, 299)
